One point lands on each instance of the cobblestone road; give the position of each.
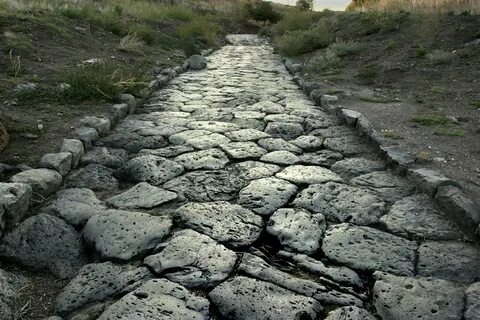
(229, 195)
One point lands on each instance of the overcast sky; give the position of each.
(321, 4)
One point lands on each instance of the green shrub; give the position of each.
(345, 48)
(449, 132)
(327, 62)
(131, 43)
(367, 74)
(295, 20)
(374, 21)
(430, 120)
(421, 52)
(297, 42)
(262, 11)
(304, 5)
(201, 29)
(144, 32)
(440, 57)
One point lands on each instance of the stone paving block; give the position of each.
(61, 162)
(75, 148)
(43, 181)
(428, 181)
(14, 202)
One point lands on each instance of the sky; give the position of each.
(321, 4)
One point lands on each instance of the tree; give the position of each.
(305, 5)
(262, 11)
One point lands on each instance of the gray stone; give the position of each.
(132, 142)
(309, 143)
(193, 260)
(75, 206)
(342, 203)
(398, 156)
(350, 313)
(208, 185)
(61, 162)
(322, 122)
(205, 159)
(119, 111)
(252, 170)
(87, 135)
(418, 218)
(285, 130)
(75, 148)
(208, 141)
(308, 175)
(43, 181)
(112, 158)
(102, 125)
(387, 185)
(213, 126)
(472, 309)
(280, 157)
(246, 135)
(460, 208)
(159, 299)
(404, 298)
(164, 130)
(10, 289)
(428, 181)
(324, 158)
(225, 222)
(45, 242)
(26, 87)
(283, 117)
(142, 195)
(278, 144)
(365, 248)
(14, 202)
(350, 116)
(167, 152)
(197, 62)
(258, 268)
(354, 167)
(93, 176)
(298, 230)
(243, 150)
(151, 169)
(347, 145)
(449, 260)
(264, 196)
(248, 299)
(184, 136)
(340, 274)
(266, 107)
(124, 235)
(333, 132)
(98, 282)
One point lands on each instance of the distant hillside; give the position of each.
(415, 5)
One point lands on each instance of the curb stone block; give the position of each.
(316, 96)
(364, 127)
(461, 208)
(130, 101)
(119, 112)
(43, 181)
(61, 162)
(75, 148)
(309, 86)
(14, 202)
(87, 135)
(398, 157)
(350, 116)
(428, 181)
(102, 125)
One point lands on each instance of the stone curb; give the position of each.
(48, 178)
(446, 193)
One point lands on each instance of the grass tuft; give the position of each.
(437, 57)
(430, 120)
(131, 43)
(327, 62)
(449, 132)
(345, 48)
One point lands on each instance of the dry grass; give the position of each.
(131, 43)
(434, 6)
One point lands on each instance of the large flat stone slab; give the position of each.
(308, 175)
(342, 203)
(264, 196)
(278, 144)
(417, 217)
(298, 230)
(249, 299)
(243, 150)
(44, 242)
(98, 282)
(449, 260)
(42, 181)
(142, 195)
(365, 248)
(284, 130)
(159, 299)
(389, 186)
(354, 167)
(124, 235)
(207, 185)
(350, 313)
(227, 223)
(252, 170)
(205, 159)
(405, 298)
(76, 206)
(93, 176)
(152, 169)
(192, 259)
(112, 158)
